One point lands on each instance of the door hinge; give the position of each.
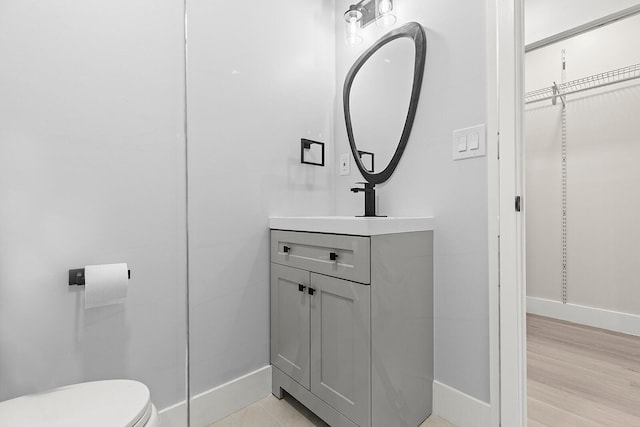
(518, 204)
(498, 269)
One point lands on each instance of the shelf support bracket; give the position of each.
(557, 94)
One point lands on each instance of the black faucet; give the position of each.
(369, 197)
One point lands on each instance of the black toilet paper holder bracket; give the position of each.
(76, 276)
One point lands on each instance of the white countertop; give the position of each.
(352, 225)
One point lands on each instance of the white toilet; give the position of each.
(111, 403)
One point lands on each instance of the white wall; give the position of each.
(603, 146)
(91, 146)
(428, 182)
(259, 80)
(91, 171)
(545, 18)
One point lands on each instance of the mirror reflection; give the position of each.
(380, 97)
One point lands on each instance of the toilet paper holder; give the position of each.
(76, 276)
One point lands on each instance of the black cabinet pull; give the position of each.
(312, 291)
(333, 256)
(301, 288)
(286, 249)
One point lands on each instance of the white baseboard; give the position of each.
(174, 416)
(599, 318)
(220, 402)
(459, 408)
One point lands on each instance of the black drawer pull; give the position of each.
(333, 256)
(301, 288)
(286, 249)
(312, 291)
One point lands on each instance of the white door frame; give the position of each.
(506, 226)
(505, 118)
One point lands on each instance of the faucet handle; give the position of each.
(368, 187)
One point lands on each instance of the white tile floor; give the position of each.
(288, 412)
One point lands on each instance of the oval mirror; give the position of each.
(380, 99)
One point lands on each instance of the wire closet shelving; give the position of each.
(598, 80)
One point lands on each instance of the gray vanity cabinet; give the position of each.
(320, 338)
(352, 325)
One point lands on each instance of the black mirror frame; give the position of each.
(414, 31)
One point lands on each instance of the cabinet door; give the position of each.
(340, 346)
(290, 322)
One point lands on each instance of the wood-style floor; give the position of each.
(288, 412)
(577, 376)
(581, 376)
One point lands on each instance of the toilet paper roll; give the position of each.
(105, 284)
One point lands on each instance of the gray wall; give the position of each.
(91, 171)
(259, 80)
(428, 182)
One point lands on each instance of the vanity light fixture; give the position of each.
(384, 13)
(353, 25)
(365, 12)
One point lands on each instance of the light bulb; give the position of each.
(353, 14)
(352, 20)
(385, 6)
(384, 16)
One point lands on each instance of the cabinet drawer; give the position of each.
(313, 252)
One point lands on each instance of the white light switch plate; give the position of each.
(345, 162)
(469, 142)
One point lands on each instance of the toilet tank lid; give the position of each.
(107, 403)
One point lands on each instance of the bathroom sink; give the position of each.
(352, 225)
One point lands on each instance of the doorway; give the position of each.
(581, 146)
(512, 116)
